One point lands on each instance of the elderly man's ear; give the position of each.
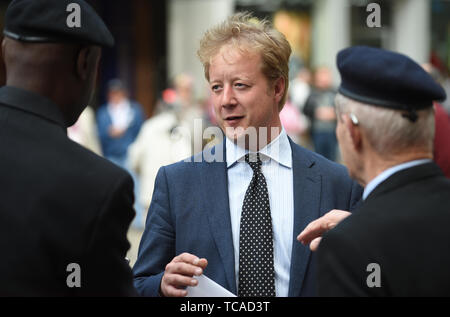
(353, 130)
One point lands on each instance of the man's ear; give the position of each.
(279, 88)
(354, 132)
(87, 61)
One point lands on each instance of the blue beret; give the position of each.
(54, 21)
(387, 79)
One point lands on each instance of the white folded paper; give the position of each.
(207, 288)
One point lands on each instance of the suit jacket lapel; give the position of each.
(307, 191)
(216, 206)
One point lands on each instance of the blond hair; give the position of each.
(244, 32)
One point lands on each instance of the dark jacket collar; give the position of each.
(31, 102)
(404, 177)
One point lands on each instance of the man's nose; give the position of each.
(228, 96)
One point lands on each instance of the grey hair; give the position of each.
(386, 130)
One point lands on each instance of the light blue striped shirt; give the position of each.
(387, 173)
(277, 169)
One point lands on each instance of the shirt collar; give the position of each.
(278, 150)
(389, 172)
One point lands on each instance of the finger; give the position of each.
(179, 281)
(306, 232)
(187, 258)
(171, 291)
(174, 284)
(201, 263)
(331, 225)
(336, 215)
(191, 259)
(314, 245)
(183, 268)
(313, 230)
(317, 227)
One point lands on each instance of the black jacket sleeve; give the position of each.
(105, 271)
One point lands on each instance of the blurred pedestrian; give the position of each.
(188, 111)
(319, 108)
(162, 140)
(441, 151)
(166, 138)
(291, 121)
(119, 122)
(299, 91)
(300, 88)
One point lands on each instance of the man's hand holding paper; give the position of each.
(179, 274)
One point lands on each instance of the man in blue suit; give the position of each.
(200, 210)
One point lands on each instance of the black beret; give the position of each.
(387, 79)
(54, 21)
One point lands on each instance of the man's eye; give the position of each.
(240, 85)
(215, 87)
